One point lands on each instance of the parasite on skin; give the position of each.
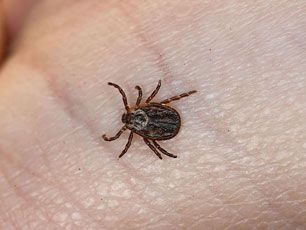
(153, 121)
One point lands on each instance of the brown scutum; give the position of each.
(145, 42)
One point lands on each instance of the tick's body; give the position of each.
(153, 121)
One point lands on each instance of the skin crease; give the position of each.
(241, 149)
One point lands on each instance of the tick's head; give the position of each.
(136, 119)
(126, 117)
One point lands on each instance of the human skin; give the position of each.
(242, 145)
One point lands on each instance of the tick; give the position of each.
(151, 120)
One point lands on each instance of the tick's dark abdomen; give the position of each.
(163, 122)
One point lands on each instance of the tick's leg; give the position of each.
(154, 92)
(152, 148)
(122, 94)
(178, 97)
(162, 150)
(139, 95)
(116, 136)
(128, 144)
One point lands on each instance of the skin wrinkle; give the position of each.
(253, 181)
(225, 138)
(144, 41)
(13, 223)
(5, 215)
(138, 176)
(252, 154)
(65, 100)
(172, 207)
(60, 187)
(69, 195)
(132, 173)
(21, 193)
(135, 174)
(66, 103)
(178, 207)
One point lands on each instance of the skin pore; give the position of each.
(241, 149)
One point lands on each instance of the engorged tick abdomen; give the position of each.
(163, 122)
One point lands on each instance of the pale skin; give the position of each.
(242, 146)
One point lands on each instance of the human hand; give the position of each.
(241, 150)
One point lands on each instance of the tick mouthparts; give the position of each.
(124, 118)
